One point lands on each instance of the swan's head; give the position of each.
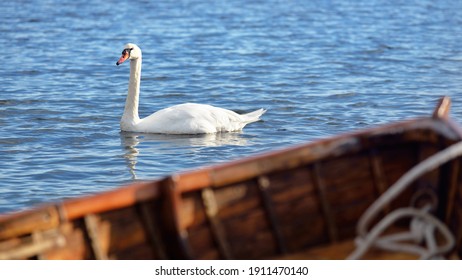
(131, 51)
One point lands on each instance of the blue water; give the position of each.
(319, 67)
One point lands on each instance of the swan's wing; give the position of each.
(193, 119)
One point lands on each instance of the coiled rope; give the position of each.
(423, 224)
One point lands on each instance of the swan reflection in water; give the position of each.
(163, 144)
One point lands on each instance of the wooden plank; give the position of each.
(380, 180)
(455, 191)
(203, 243)
(33, 246)
(325, 203)
(252, 167)
(251, 236)
(76, 248)
(121, 230)
(26, 222)
(115, 199)
(340, 250)
(264, 185)
(442, 108)
(218, 231)
(92, 226)
(152, 225)
(172, 214)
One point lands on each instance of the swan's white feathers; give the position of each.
(191, 118)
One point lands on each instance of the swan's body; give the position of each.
(188, 118)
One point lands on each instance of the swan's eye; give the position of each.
(127, 51)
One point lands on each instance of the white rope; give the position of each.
(426, 230)
(394, 242)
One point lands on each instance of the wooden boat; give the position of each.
(302, 202)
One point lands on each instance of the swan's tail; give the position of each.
(253, 116)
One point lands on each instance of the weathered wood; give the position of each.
(454, 187)
(124, 229)
(325, 203)
(340, 250)
(219, 233)
(76, 248)
(26, 222)
(264, 185)
(380, 180)
(91, 223)
(153, 231)
(33, 246)
(443, 107)
(176, 221)
(115, 199)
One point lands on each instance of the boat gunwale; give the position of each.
(211, 176)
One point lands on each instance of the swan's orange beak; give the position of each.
(125, 56)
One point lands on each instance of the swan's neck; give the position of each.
(130, 116)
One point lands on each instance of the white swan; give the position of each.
(188, 118)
